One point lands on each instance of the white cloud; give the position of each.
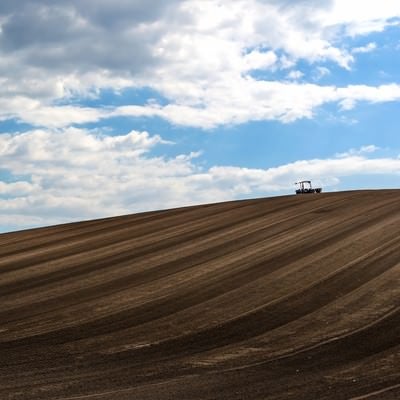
(259, 60)
(296, 74)
(320, 72)
(195, 53)
(371, 148)
(361, 19)
(365, 49)
(16, 188)
(349, 96)
(285, 62)
(214, 62)
(74, 174)
(269, 100)
(283, 101)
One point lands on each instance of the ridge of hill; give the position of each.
(293, 297)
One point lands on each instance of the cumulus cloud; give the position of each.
(212, 62)
(269, 100)
(283, 101)
(259, 60)
(74, 174)
(350, 95)
(371, 16)
(193, 52)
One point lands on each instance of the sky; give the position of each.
(116, 107)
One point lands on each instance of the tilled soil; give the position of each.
(294, 297)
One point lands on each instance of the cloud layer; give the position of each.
(216, 62)
(74, 174)
(205, 63)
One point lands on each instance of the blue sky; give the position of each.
(110, 108)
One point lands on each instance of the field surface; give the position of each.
(294, 297)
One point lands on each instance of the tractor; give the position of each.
(306, 187)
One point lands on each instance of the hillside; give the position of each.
(294, 297)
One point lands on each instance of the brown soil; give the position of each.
(294, 297)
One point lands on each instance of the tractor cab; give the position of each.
(304, 187)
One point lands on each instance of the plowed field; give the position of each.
(294, 297)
